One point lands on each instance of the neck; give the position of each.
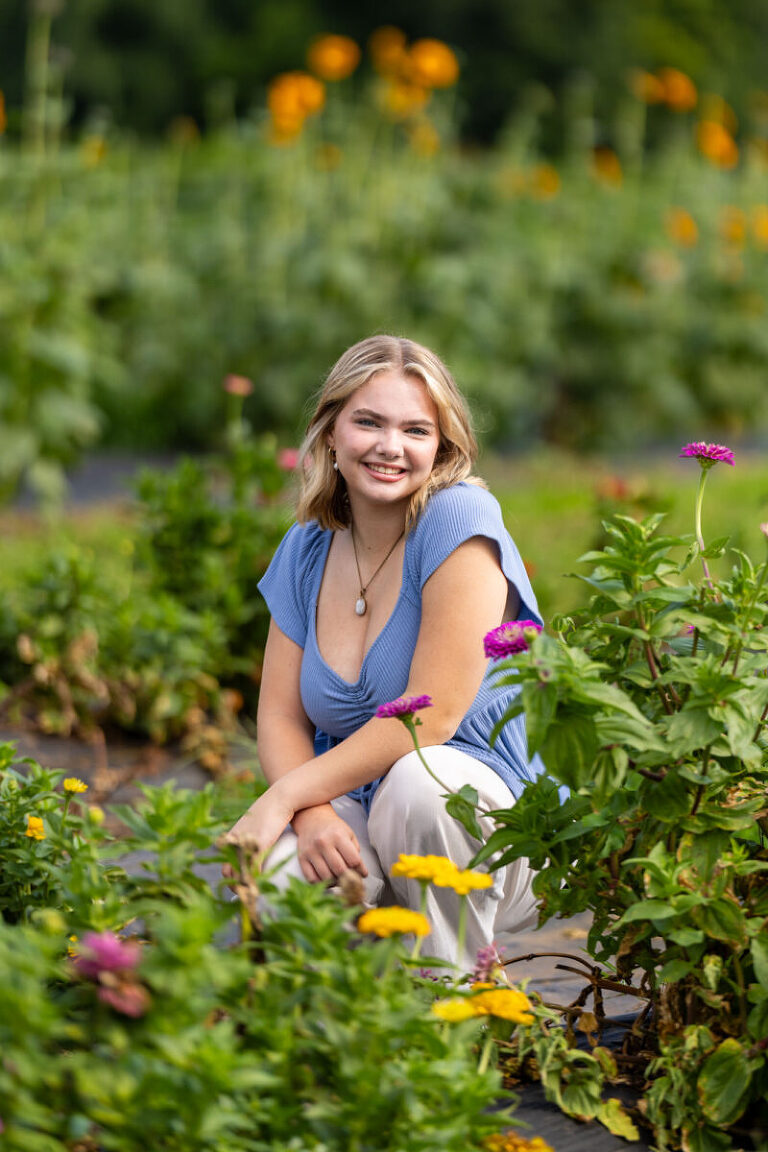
(377, 528)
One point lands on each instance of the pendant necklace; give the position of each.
(361, 607)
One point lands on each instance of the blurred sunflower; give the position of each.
(716, 143)
(681, 227)
(333, 57)
(679, 90)
(432, 64)
(387, 47)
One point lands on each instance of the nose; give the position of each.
(389, 443)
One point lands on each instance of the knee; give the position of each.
(408, 812)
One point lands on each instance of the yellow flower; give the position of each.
(387, 48)
(401, 99)
(422, 867)
(607, 166)
(733, 226)
(466, 881)
(511, 1142)
(393, 921)
(432, 64)
(760, 225)
(681, 227)
(716, 143)
(646, 87)
(504, 1003)
(545, 182)
(333, 57)
(35, 829)
(72, 784)
(291, 97)
(453, 1010)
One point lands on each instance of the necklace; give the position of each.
(361, 607)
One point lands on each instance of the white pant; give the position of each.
(408, 815)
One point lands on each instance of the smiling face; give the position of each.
(386, 438)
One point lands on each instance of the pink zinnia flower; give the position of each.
(105, 952)
(288, 459)
(403, 707)
(708, 454)
(127, 998)
(237, 385)
(509, 638)
(764, 529)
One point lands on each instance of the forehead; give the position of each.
(394, 393)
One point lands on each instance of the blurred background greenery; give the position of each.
(568, 202)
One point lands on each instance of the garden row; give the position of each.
(608, 299)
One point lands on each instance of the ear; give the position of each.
(329, 440)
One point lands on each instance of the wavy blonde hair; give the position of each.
(323, 493)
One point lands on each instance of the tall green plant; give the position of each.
(650, 705)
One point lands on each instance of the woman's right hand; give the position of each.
(327, 846)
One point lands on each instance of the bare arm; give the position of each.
(463, 599)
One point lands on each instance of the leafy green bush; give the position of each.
(650, 704)
(312, 1037)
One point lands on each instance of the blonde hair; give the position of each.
(323, 495)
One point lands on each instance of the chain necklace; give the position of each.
(361, 606)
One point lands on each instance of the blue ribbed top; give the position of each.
(336, 707)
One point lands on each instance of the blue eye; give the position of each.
(419, 431)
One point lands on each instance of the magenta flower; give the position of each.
(708, 454)
(288, 459)
(509, 638)
(403, 708)
(105, 952)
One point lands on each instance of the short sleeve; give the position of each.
(287, 585)
(456, 514)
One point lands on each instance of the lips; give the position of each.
(387, 471)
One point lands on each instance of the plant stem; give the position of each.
(699, 536)
(461, 933)
(485, 1055)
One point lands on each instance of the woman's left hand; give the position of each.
(264, 821)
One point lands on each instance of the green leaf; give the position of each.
(540, 703)
(611, 1113)
(759, 950)
(724, 920)
(462, 805)
(570, 748)
(724, 1082)
(650, 910)
(691, 728)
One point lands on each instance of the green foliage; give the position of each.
(319, 1039)
(177, 640)
(650, 704)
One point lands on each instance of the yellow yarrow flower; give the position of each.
(73, 785)
(393, 921)
(422, 867)
(35, 828)
(504, 1003)
(454, 1010)
(511, 1142)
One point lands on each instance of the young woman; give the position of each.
(397, 567)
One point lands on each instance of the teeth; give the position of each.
(385, 470)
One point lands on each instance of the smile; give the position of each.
(385, 469)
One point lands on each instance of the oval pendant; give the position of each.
(360, 606)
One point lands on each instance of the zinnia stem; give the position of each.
(699, 535)
(485, 1055)
(462, 929)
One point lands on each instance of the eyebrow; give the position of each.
(377, 415)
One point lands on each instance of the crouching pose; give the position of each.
(397, 567)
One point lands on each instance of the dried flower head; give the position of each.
(403, 708)
(708, 454)
(488, 964)
(509, 638)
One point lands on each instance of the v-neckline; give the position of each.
(323, 565)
